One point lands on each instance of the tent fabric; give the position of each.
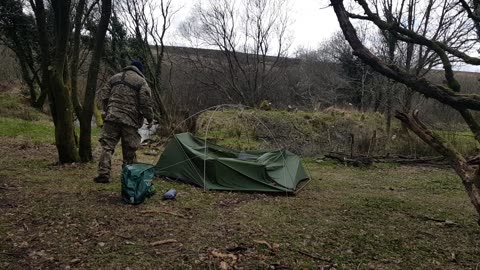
(189, 159)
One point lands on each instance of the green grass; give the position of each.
(14, 106)
(20, 121)
(35, 131)
(463, 141)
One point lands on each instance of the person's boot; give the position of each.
(101, 179)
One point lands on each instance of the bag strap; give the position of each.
(129, 85)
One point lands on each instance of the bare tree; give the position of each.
(45, 48)
(18, 33)
(460, 18)
(53, 59)
(85, 118)
(320, 78)
(252, 37)
(147, 22)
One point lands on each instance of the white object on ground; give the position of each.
(145, 132)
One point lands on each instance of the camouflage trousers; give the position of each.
(111, 134)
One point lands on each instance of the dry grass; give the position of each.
(380, 218)
(314, 133)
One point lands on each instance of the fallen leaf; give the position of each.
(263, 242)
(453, 257)
(450, 222)
(223, 265)
(224, 255)
(76, 260)
(163, 242)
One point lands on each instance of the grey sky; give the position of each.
(311, 22)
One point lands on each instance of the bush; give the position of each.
(313, 133)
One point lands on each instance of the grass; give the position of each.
(384, 217)
(314, 133)
(34, 131)
(20, 121)
(463, 141)
(379, 218)
(14, 106)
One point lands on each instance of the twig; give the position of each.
(162, 212)
(163, 242)
(127, 237)
(325, 259)
(10, 254)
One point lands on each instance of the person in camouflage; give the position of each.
(126, 101)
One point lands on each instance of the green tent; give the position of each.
(188, 159)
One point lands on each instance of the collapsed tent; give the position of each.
(189, 159)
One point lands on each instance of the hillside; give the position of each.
(315, 133)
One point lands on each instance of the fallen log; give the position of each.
(424, 161)
(365, 161)
(358, 161)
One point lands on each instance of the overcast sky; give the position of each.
(311, 22)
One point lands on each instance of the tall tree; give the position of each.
(55, 49)
(53, 59)
(18, 33)
(252, 36)
(85, 109)
(463, 17)
(146, 22)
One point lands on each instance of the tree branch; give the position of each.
(421, 85)
(436, 142)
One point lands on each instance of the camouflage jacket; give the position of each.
(126, 98)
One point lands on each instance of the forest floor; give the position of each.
(383, 217)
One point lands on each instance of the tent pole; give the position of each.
(205, 148)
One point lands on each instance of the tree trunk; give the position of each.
(389, 111)
(85, 146)
(27, 79)
(408, 100)
(378, 99)
(472, 186)
(85, 142)
(64, 127)
(470, 176)
(159, 105)
(53, 62)
(41, 100)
